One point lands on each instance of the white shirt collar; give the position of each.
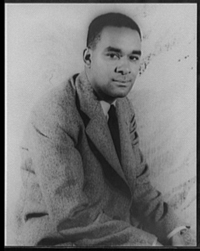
(106, 106)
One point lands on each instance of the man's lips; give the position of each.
(122, 80)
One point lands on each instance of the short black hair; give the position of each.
(108, 19)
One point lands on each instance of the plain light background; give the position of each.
(44, 46)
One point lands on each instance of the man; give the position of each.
(85, 181)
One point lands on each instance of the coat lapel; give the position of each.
(127, 153)
(97, 128)
(99, 133)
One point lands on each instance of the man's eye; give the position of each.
(134, 58)
(113, 56)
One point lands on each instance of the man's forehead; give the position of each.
(120, 38)
(118, 50)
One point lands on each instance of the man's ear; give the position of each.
(87, 57)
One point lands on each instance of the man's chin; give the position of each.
(121, 94)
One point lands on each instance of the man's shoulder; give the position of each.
(58, 101)
(62, 94)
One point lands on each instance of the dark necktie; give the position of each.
(114, 129)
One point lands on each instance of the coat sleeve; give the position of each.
(155, 215)
(52, 171)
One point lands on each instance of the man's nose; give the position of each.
(123, 68)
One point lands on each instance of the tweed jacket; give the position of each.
(75, 191)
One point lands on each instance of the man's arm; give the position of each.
(51, 160)
(148, 206)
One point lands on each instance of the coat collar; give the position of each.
(98, 131)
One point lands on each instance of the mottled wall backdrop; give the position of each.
(44, 47)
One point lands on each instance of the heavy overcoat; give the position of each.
(75, 190)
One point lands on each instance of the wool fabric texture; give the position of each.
(75, 191)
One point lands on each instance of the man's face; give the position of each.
(115, 62)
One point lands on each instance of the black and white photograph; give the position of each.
(100, 125)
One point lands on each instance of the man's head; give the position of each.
(109, 19)
(112, 56)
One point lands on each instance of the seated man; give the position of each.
(85, 181)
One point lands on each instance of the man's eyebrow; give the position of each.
(113, 49)
(117, 50)
(136, 52)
